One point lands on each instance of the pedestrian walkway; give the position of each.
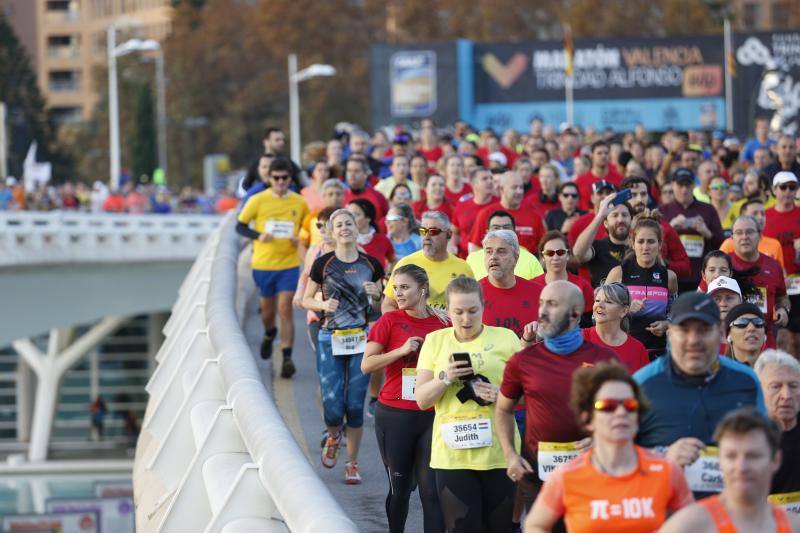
(298, 402)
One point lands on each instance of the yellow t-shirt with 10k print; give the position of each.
(280, 216)
(464, 434)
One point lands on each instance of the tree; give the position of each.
(28, 117)
(143, 147)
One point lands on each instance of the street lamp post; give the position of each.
(295, 78)
(114, 51)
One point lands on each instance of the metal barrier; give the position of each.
(214, 454)
(28, 238)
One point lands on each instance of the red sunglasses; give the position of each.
(609, 405)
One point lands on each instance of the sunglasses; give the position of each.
(433, 232)
(320, 225)
(280, 177)
(609, 405)
(569, 195)
(744, 322)
(394, 218)
(718, 186)
(788, 186)
(551, 253)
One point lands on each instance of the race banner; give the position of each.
(767, 81)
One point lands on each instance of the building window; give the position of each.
(63, 46)
(66, 114)
(751, 16)
(62, 11)
(64, 80)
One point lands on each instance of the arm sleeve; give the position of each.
(427, 355)
(380, 331)
(681, 495)
(511, 386)
(552, 493)
(245, 231)
(316, 271)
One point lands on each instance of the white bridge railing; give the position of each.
(214, 454)
(30, 238)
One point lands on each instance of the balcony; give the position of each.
(63, 52)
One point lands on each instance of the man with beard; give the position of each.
(697, 224)
(542, 373)
(511, 302)
(603, 255)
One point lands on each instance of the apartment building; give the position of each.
(67, 38)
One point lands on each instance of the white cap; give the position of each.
(498, 157)
(11, 181)
(784, 176)
(724, 282)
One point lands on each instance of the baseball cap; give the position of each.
(401, 138)
(746, 308)
(735, 187)
(784, 176)
(724, 282)
(499, 158)
(598, 186)
(697, 305)
(683, 175)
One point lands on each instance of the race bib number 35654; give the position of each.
(467, 433)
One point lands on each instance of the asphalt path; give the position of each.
(298, 402)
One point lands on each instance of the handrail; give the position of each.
(299, 494)
(31, 238)
(214, 450)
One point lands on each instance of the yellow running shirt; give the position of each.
(457, 426)
(439, 275)
(273, 213)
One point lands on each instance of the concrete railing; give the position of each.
(214, 454)
(30, 238)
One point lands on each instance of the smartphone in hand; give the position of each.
(464, 356)
(622, 196)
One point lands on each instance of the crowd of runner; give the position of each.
(561, 329)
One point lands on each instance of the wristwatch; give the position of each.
(443, 378)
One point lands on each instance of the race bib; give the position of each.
(793, 284)
(693, 244)
(466, 433)
(790, 501)
(348, 341)
(409, 384)
(760, 299)
(280, 229)
(551, 455)
(704, 475)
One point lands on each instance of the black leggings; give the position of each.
(404, 440)
(476, 501)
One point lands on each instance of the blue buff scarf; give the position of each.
(565, 343)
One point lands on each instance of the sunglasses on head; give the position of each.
(393, 218)
(551, 253)
(433, 232)
(788, 186)
(609, 405)
(743, 322)
(280, 177)
(718, 186)
(569, 194)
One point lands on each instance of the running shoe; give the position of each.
(351, 475)
(266, 347)
(331, 451)
(287, 369)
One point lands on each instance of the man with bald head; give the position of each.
(542, 373)
(529, 226)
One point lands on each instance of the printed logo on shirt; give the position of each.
(630, 508)
(404, 327)
(350, 271)
(656, 276)
(656, 467)
(526, 304)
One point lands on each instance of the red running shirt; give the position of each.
(391, 331)
(530, 225)
(631, 353)
(511, 308)
(786, 228)
(545, 379)
(583, 285)
(380, 247)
